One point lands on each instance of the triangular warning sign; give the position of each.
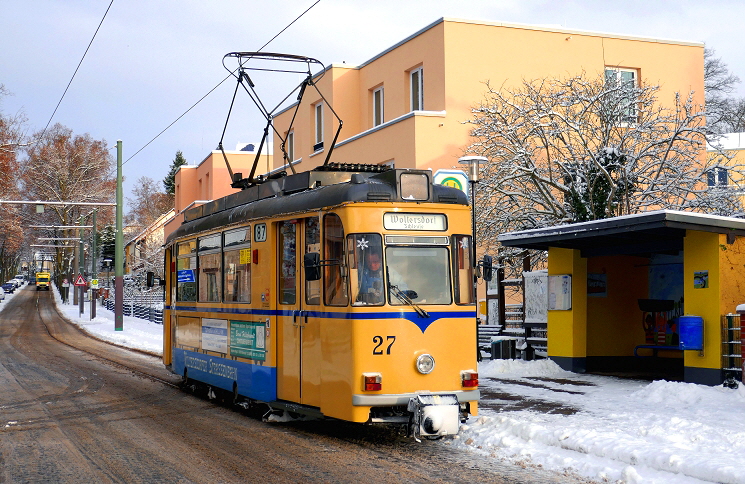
(80, 281)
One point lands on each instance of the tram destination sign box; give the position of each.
(248, 339)
(414, 221)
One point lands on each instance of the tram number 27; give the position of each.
(379, 344)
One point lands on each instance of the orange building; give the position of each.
(407, 106)
(209, 180)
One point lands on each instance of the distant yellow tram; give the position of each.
(343, 292)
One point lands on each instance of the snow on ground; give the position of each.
(137, 333)
(606, 429)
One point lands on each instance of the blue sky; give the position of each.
(153, 59)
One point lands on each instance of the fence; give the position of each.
(140, 304)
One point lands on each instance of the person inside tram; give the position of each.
(371, 283)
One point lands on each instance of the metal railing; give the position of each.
(143, 304)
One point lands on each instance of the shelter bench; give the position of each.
(655, 349)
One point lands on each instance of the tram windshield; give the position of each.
(422, 273)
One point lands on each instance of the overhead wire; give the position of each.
(231, 74)
(76, 71)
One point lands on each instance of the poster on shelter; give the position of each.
(536, 296)
(597, 285)
(700, 279)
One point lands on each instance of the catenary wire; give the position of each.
(76, 71)
(220, 83)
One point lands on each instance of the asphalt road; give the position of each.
(74, 409)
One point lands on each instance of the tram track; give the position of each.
(97, 354)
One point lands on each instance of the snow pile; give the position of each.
(623, 430)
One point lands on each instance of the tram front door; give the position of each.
(298, 326)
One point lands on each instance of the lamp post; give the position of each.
(107, 262)
(473, 179)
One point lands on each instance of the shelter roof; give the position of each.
(660, 231)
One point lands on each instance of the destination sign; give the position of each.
(414, 221)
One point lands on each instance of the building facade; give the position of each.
(408, 105)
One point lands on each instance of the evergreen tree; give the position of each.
(169, 182)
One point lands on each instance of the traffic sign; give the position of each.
(80, 281)
(452, 178)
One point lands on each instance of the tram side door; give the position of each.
(298, 324)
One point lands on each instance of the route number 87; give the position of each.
(379, 341)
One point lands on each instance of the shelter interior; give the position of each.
(649, 294)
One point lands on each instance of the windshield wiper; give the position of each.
(403, 297)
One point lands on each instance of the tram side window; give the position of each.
(287, 260)
(237, 260)
(366, 268)
(210, 270)
(312, 244)
(186, 268)
(463, 269)
(335, 284)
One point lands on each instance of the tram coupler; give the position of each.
(434, 415)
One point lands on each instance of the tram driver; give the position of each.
(371, 289)
(371, 282)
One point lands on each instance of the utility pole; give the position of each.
(119, 246)
(94, 272)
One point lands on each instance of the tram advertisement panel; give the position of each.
(248, 339)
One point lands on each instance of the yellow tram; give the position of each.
(345, 291)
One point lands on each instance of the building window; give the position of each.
(291, 146)
(378, 106)
(417, 89)
(717, 177)
(621, 102)
(319, 127)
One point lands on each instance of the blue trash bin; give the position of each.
(691, 329)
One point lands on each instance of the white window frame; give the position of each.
(416, 86)
(717, 177)
(378, 106)
(630, 117)
(318, 118)
(291, 146)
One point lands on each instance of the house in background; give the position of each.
(408, 105)
(209, 180)
(733, 144)
(143, 252)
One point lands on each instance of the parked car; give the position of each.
(9, 287)
(2, 295)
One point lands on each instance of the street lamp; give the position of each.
(107, 263)
(473, 179)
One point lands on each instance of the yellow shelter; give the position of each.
(633, 281)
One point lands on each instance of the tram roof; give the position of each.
(660, 231)
(311, 190)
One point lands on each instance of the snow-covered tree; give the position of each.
(577, 149)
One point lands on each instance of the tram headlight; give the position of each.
(425, 364)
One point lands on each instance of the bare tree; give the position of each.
(11, 233)
(576, 149)
(65, 167)
(724, 113)
(148, 202)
